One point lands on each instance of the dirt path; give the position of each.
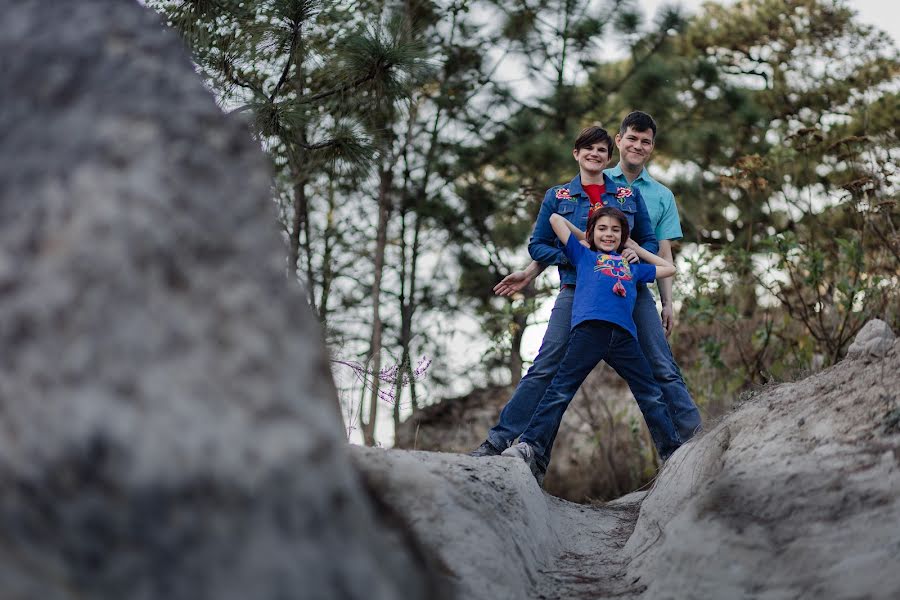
(590, 563)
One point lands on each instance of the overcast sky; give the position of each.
(884, 14)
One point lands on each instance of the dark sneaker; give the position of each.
(525, 452)
(485, 449)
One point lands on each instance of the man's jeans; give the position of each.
(518, 411)
(652, 338)
(589, 343)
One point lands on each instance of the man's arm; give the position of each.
(667, 314)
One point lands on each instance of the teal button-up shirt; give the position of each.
(659, 199)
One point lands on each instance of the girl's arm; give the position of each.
(563, 228)
(663, 268)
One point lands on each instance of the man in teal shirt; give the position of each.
(635, 141)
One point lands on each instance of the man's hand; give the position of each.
(512, 283)
(630, 255)
(668, 319)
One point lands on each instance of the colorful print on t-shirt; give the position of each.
(614, 266)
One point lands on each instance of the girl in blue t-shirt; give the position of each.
(602, 329)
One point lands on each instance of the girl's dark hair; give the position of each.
(607, 211)
(593, 135)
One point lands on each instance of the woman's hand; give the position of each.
(512, 283)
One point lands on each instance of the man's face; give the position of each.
(592, 159)
(635, 147)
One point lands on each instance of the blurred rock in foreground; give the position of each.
(168, 426)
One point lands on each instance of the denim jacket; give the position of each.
(573, 203)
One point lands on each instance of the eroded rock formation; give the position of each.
(794, 494)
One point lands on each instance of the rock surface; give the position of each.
(168, 425)
(873, 340)
(497, 534)
(795, 494)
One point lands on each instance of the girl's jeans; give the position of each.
(518, 411)
(589, 343)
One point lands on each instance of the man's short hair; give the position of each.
(639, 121)
(593, 135)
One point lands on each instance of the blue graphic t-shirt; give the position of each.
(596, 275)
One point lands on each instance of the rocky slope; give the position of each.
(795, 494)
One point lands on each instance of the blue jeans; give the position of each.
(518, 411)
(516, 415)
(589, 343)
(656, 349)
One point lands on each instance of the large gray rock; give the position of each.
(168, 425)
(796, 494)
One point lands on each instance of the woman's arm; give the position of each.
(516, 281)
(663, 268)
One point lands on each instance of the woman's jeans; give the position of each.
(589, 343)
(518, 411)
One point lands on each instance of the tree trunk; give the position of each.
(384, 210)
(327, 257)
(515, 351)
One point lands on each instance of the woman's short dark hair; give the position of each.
(607, 211)
(593, 135)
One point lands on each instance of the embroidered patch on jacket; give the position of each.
(622, 193)
(563, 194)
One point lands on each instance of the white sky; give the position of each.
(885, 14)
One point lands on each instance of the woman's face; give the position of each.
(608, 234)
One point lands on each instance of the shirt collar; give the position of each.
(617, 173)
(575, 187)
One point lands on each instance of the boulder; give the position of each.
(873, 341)
(795, 494)
(168, 423)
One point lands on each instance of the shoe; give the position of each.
(485, 449)
(525, 452)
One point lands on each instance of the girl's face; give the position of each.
(608, 234)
